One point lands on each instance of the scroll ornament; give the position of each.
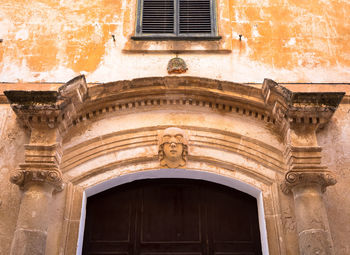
(23, 177)
(295, 178)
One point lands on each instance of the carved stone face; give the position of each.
(173, 148)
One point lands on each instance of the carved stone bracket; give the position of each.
(304, 177)
(49, 109)
(298, 108)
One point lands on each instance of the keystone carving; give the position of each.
(173, 148)
(295, 178)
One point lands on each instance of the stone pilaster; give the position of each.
(307, 180)
(299, 116)
(38, 177)
(48, 115)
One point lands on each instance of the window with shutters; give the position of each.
(176, 20)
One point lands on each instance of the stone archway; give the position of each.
(177, 174)
(82, 136)
(178, 200)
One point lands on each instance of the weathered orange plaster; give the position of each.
(298, 33)
(48, 34)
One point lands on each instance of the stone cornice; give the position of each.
(49, 109)
(291, 109)
(74, 102)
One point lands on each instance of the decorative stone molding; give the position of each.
(37, 153)
(41, 164)
(74, 102)
(173, 148)
(152, 93)
(251, 149)
(303, 157)
(304, 163)
(308, 177)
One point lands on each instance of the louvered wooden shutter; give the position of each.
(158, 16)
(176, 17)
(194, 16)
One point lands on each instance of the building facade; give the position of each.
(251, 95)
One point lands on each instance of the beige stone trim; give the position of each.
(64, 126)
(269, 199)
(198, 137)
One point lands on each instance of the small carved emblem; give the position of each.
(177, 65)
(173, 148)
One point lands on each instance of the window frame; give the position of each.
(176, 35)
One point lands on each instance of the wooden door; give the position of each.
(171, 217)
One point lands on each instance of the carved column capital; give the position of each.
(27, 174)
(295, 178)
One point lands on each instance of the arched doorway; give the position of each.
(172, 216)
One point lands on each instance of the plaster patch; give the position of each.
(255, 32)
(5, 27)
(22, 34)
(291, 42)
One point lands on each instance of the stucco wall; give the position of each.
(12, 138)
(288, 41)
(336, 155)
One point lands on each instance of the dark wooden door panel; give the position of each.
(172, 217)
(108, 253)
(170, 214)
(234, 253)
(232, 219)
(170, 253)
(110, 222)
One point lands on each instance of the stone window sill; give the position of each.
(179, 44)
(175, 38)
